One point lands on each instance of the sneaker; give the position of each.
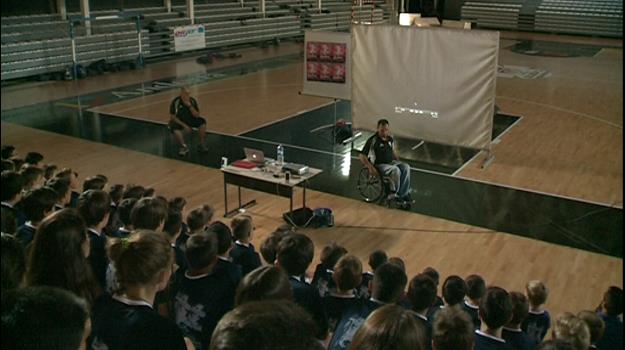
(202, 148)
(183, 151)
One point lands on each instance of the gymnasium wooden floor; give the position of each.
(576, 278)
(568, 143)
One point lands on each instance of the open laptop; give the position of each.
(255, 156)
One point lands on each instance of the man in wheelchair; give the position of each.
(380, 157)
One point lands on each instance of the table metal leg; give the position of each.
(239, 188)
(225, 198)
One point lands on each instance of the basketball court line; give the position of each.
(516, 188)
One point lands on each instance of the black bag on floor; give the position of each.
(300, 218)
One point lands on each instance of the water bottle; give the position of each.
(280, 155)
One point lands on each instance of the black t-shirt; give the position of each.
(536, 325)
(181, 111)
(231, 269)
(322, 280)
(473, 312)
(308, 298)
(487, 342)
(379, 151)
(246, 257)
(335, 305)
(350, 322)
(97, 257)
(121, 324)
(517, 339)
(363, 290)
(200, 302)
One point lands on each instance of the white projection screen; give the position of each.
(432, 84)
(327, 65)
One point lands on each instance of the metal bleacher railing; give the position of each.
(583, 17)
(40, 44)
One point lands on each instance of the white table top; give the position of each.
(266, 174)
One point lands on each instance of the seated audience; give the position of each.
(265, 325)
(123, 214)
(201, 295)
(49, 170)
(512, 333)
(115, 192)
(270, 245)
(134, 191)
(94, 206)
(572, 329)
(390, 327)
(72, 179)
(8, 151)
(422, 293)
(398, 261)
(13, 263)
(143, 263)
(295, 253)
(430, 271)
(36, 205)
(178, 204)
(243, 252)
(97, 182)
(63, 192)
(265, 283)
(33, 158)
(476, 287)
(609, 311)
(32, 177)
(224, 244)
(172, 229)
(376, 259)
(347, 277)
(452, 329)
(44, 318)
(388, 285)
(12, 185)
(7, 165)
(149, 213)
(538, 320)
(322, 278)
(58, 255)
(595, 324)
(495, 311)
(454, 291)
(197, 221)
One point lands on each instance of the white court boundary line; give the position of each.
(562, 110)
(610, 205)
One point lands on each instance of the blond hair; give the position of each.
(573, 329)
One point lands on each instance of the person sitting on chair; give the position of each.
(185, 114)
(380, 157)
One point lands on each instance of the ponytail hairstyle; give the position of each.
(139, 258)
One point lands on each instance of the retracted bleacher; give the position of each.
(583, 17)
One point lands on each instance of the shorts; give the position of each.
(192, 122)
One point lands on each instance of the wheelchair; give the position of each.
(374, 188)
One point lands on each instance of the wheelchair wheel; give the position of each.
(370, 187)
